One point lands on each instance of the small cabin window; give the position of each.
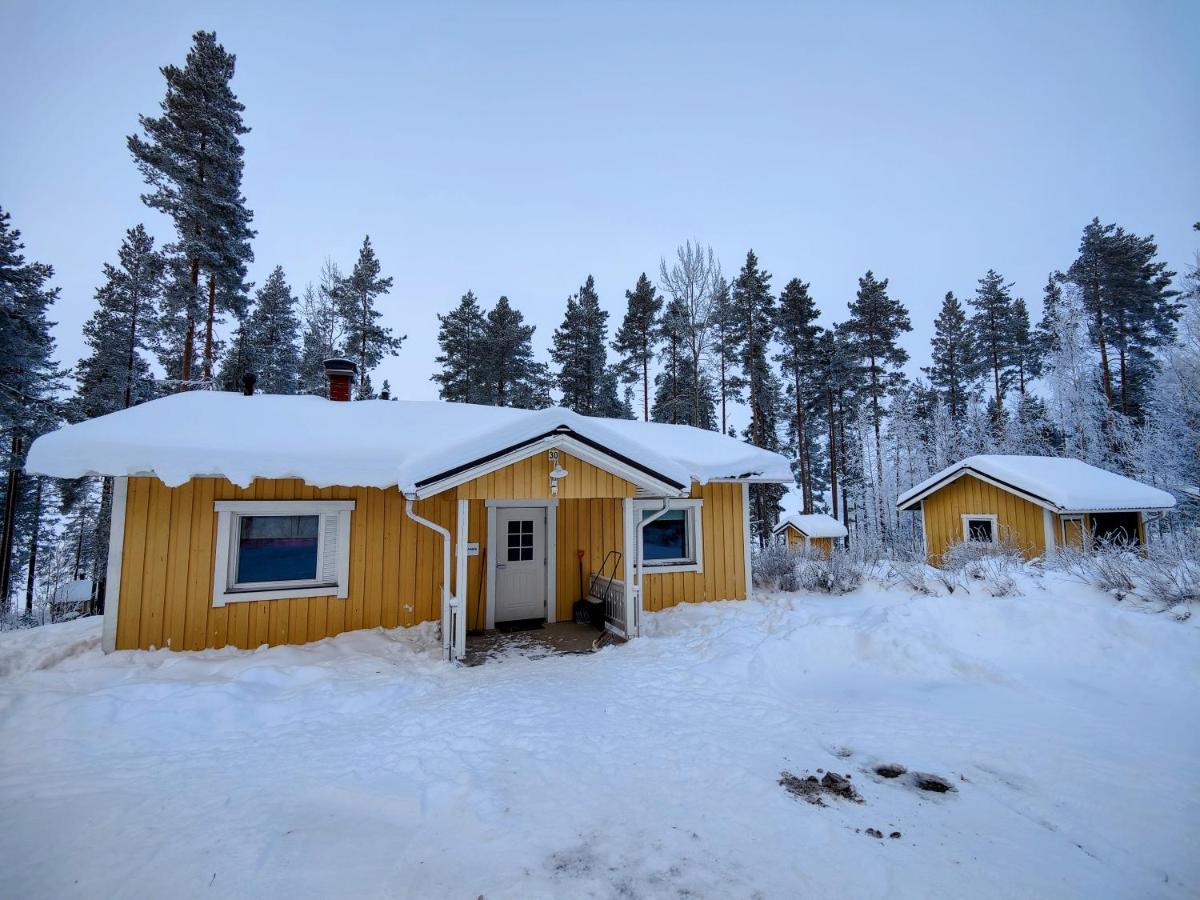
(979, 529)
(672, 541)
(274, 550)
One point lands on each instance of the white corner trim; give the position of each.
(746, 536)
(461, 587)
(966, 527)
(112, 577)
(223, 551)
(695, 507)
(1048, 532)
(924, 533)
(633, 592)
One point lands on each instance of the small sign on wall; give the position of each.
(472, 548)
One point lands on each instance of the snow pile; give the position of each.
(372, 443)
(362, 766)
(1071, 485)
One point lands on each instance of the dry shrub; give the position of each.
(1165, 574)
(990, 567)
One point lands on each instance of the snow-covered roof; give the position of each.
(1061, 484)
(815, 525)
(372, 443)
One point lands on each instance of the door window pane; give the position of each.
(666, 537)
(277, 548)
(520, 540)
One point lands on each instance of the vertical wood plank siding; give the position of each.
(1019, 520)
(395, 564)
(529, 479)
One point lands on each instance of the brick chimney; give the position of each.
(340, 374)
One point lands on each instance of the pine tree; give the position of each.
(587, 383)
(367, 342)
(753, 327)
(512, 376)
(324, 329)
(115, 375)
(271, 329)
(874, 327)
(29, 380)
(462, 341)
(728, 384)
(992, 330)
(797, 331)
(836, 371)
(1025, 355)
(670, 400)
(191, 157)
(950, 372)
(1127, 294)
(635, 340)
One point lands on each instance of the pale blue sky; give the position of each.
(515, 148)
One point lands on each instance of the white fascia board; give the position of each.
(558, 441)
(912, 502)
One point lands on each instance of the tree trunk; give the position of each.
(100, 546)
(724, 423)
(34, 539)
(877, 421)
(208, 327)
(833, 464)
(1105, 369)
(7, 538)
(646, 382)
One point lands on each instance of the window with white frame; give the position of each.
(980, 529)
(673, 541)
(281, 549)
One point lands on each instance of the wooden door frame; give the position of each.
(551, 508)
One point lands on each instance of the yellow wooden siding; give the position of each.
(794, 538)
(1018, 520)
(395, 573)
(824, 546)
(168, 565)
(529, 479)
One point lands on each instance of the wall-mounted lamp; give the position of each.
(556, 473)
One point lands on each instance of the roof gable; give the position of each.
(814, 525)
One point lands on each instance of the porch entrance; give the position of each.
(520, 563)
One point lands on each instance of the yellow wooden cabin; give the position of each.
(1036, 504)
(249, 520)
(812, 531)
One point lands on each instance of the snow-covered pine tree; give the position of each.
(876, 322)
(670, 401)
(951, 374)
(191, 156)
(991, 328)
(366, 341)
(1131, 308)
(724, 350)
(797, 330)
(589, 386)
(270, 338)
(690, 282)
(635, 340)
(837, 374)
(115, 374)
(1073, 384)
(462, 378)
(754, 326)
(1026, 358)
(324, 329)
(29, 383)
(512, 376)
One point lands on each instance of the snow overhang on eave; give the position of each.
(562, 437)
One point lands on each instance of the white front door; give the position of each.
(520, 563)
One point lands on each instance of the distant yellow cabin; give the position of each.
(1036, 504)
(249, 520)
(813, 531)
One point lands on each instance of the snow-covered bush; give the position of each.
(775, 568)
(1164, 574)
(839, 573)
(911, 571)
(990, 567)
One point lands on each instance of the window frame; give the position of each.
(693, 521)
(226, 588)
(968, 518)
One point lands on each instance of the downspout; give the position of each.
(638, 574)
(450, 610)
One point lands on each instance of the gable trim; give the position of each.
(562, 438)
(917, 499)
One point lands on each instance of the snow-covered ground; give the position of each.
(362, 766)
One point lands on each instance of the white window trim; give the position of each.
(966, 527)
(695, 534)
(227, 512)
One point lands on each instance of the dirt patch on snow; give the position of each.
(815, 790)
